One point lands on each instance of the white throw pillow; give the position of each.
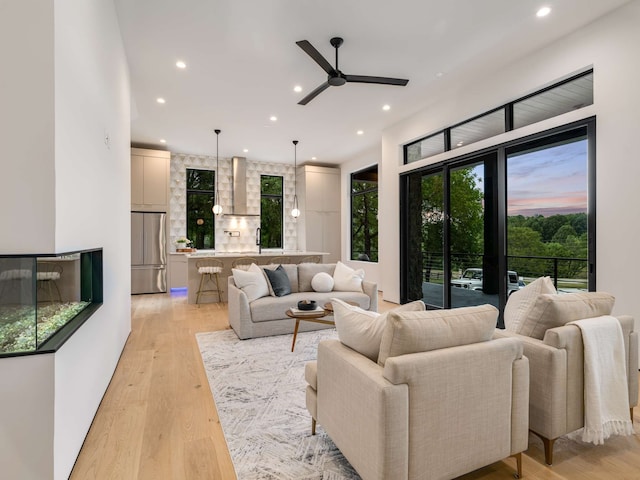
(521, 302)
(361, 330)
(346, 279)
(252, 282)
(322, 282)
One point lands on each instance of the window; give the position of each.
(200, 219)
(271, 211)
(476, 228)
(364, 215)
(567, 95)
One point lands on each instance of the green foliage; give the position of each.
(271, 211)
(466, 219)
(364, 220)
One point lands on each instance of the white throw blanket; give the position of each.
(606, 392)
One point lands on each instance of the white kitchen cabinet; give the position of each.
(149, 180)
(178, 277)
(319, 200)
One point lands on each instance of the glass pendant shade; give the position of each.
(217, 208)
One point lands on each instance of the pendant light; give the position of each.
(295, 211)
(217, 208)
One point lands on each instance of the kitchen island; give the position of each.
(227, 259)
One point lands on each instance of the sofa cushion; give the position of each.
(269, 308)
(413, 332)
(555, 310)
(361, 330)
(292, 273)
(279, 281)
(346, 279)
(322, 282)
(252, 282)
(521, 302)
(306, 272)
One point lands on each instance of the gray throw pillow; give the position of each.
(279, 281)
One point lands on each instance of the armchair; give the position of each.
(556, 401)
(423, 411)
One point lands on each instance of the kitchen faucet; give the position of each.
(259, 240)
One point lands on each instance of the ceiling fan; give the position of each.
(335, 77)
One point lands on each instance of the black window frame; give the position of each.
(508, 118)
(265, 237)
(588, 125)
(353, 195)
(208, 193)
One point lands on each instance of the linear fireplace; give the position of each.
(45, 298)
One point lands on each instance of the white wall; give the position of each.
(27, 213)
(608, 45)
(26, 417)
(92, 205)
(63, 189)
(363, 160)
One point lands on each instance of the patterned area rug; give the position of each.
(259, 389)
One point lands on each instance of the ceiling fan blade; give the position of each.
(315, 54)
(381, 80)
(314, 94)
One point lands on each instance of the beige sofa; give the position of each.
(557, 379)
(266, 316)
(433, 414)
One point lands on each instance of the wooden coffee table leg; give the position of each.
(295, 333)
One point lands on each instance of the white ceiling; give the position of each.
(243, 62)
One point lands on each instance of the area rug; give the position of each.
(259, 389)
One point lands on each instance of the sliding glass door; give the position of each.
(478, 228)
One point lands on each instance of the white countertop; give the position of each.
(265, 253)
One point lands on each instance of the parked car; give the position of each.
(471, 279)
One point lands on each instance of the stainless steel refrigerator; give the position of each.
(148, 253)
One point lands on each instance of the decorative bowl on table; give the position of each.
(307, 305)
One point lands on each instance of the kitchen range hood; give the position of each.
(239, 188)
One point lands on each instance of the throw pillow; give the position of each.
(279, 281)
(346, 279)
(413, 332)
(322, 282)
(555, 310)
(361, 330)
(252, 282)
(521, 302)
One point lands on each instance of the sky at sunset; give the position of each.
(548, 182)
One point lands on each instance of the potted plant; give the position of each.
(183, 244)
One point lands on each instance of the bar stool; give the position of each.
(209, 271)
(243, 263)
(47, 275)
(279, 260)
(311, 259)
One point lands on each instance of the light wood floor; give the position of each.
(158, 419)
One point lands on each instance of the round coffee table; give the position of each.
(311, 316)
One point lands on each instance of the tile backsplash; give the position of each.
(246, 226)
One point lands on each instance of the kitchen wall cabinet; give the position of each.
(319, 199)
(149, 180)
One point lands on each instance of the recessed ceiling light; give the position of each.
(162, 140)
(386, 108)
(439, 74)
(297, 88)
(181, 64)
(273, 118)
(543, 12)
(245, 150)
(314, 158)
(459, 144)
(360, 132)
(160, 100)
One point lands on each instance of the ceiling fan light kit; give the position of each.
(335, 77)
